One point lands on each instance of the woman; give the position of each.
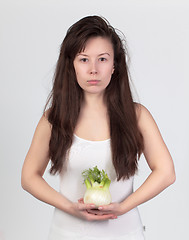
(93, 120)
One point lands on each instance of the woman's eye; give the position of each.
(84, 60)
(102, 59)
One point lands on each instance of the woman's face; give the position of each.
(95, 65)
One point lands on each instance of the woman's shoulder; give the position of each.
(145, 119)
(46, 113)
(44, 120)
(140, 109)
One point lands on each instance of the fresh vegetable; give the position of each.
(97, 183)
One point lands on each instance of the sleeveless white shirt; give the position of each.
(86, 154)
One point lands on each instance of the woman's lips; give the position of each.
(93, 81)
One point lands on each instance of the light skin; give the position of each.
(98, 64)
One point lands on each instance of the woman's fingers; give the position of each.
(112, 208)
(102, 217)
(107, 208)
(83, 206)
(80, 200)
(97, 212)
(91, 213)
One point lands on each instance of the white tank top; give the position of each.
(86, 154)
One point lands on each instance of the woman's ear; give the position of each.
(113, 69)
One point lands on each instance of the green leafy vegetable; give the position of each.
(97, 183)
(94, 176)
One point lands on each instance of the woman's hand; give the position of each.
(85, 211)
(112, 208)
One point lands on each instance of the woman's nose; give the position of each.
(93, 72)
(93, 68)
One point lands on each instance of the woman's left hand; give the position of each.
(112, 208)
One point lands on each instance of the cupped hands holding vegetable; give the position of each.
(98, 194)
(96, 204)
(84, 211)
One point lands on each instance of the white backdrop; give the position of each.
(31, 32)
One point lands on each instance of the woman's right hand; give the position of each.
(80, 210)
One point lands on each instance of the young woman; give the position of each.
(93, 121)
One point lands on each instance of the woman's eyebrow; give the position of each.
(85, 55)
(104, 54)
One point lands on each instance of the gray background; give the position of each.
(157, 37)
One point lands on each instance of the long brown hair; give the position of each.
(67, 97)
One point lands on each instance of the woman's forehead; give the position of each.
(100, 45)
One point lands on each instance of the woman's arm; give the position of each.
(34, 167)
(159, 161)
(33, 182)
